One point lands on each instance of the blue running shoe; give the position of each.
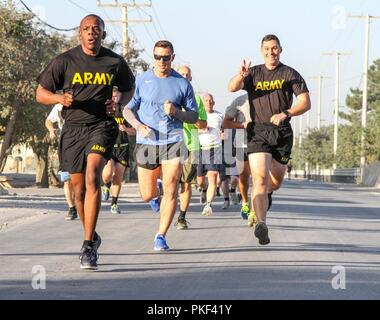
(160, 243)
(155, 204)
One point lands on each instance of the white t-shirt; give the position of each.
(55, 115)
(212, 138)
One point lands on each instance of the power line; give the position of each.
(78, 6)
(158, 21)
(45, 23)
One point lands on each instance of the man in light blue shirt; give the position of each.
(162, 102)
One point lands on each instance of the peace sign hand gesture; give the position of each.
(244, 69)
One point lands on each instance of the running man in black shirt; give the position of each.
(270, 88)
(113, 172)
(86, 75)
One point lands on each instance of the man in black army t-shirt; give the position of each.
(86, 74)
(113, 172)
(270, 90)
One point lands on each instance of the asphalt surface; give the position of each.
(315, 230)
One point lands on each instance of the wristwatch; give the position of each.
(288, 115)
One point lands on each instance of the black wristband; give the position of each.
(288, 115)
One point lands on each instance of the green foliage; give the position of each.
(317, 148)
(25, 50)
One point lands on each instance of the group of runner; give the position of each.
(178, 136)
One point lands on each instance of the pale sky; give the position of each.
(214, 36)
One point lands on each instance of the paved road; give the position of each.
(313, 228)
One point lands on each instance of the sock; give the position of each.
(88, 243)
(226, 199)
(95, 237)
(108, 185)
(182, 214)
(73, 208)
(233, 190)
(209, 204)
(114, 200)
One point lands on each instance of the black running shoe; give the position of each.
(97, 241)
(269, 200)
(89, 258)
(182, 223)
(261, 232)
(72, 214)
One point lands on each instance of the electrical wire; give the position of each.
(44, 22)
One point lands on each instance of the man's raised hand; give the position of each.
(244, 69)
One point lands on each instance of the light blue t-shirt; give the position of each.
(148, 104)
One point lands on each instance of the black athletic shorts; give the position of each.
(120, 154)
(212, 160)
(151, 156)
(78, 141)
(278, 141)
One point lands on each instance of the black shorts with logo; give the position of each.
(278, 141)
(120, 154)
(78, 141)
(151, 156)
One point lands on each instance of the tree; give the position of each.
(24, 49)
(354, 104)
(316, 149)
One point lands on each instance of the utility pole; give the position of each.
(336, 121)
(365, 87)
(125, 20)
(319, 110)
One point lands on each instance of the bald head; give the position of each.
(185, 72)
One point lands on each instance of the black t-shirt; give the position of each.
(271, 92)
(122, 137)
(91, 79)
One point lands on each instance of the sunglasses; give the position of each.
(165, 58)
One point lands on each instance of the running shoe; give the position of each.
(160, 243)
(105, 193)
(252, 219)
(115, 209)
(89, 258)
(244, 212)
(226, 204)
(261, 233)
(155, 204)
(234, 198)
(97, 241)
(207, 210)
(181, 223)
(72, 214)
